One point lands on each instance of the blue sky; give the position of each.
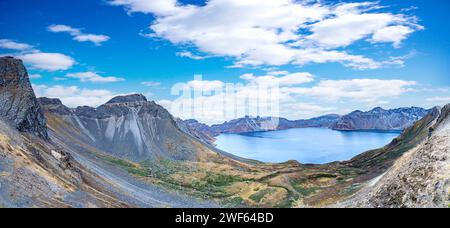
(331, 57)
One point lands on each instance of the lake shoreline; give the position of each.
(305, 145)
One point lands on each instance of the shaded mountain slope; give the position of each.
(39, 168)
(33, 171)
(200, 131)
(380, 119)
(18, 105)
(420, 178)
(128, 127)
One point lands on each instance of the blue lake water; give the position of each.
(306, 145)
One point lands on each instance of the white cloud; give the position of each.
(203, 85)
(48, 61)
(151, 84)
(158, 7)
(276, 32)
(190, 55)
(73, 96)
(78, 35)
(94, 77)
(35, 76)
(285, 80)
(392, 34)
(12, 45)
(361, 90)
(439, 100)
(305, 110)
(344, 30)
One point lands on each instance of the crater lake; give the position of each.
(305, 145)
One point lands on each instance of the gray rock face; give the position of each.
(128, 127)
(380, 119)
(54, 105)
(201, 131)
(18, 104)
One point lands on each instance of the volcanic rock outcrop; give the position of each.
(18, 104)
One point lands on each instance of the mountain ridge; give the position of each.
(18, 103)
(380, 119)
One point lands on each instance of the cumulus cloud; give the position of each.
(286, 78)
(37, 59)
(392, 34)
(94, 77)
(276, 32)
(73, 96)
(203, 85)
(361, 90)
(78, 35)
(12, 45)
(158, 7)
(190, 55)
(47, 61)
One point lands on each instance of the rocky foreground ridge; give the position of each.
(18, 104)
(420, 178)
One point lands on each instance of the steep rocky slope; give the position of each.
(202, 132)
(38, 168)
(127, 126)
(420, 178)
(33, 171)
(18, 105)
(380, 119)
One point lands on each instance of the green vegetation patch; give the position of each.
(305, 192)
(215, 182)
(257, 197)
(141, 170)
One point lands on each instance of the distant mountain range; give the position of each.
(375, 119)
(380, 119)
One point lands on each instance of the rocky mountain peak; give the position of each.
(133, 98)
(54, 105)
(49, 101)
(18, 104)
(378, 109)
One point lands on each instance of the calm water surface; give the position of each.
(307, 145)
